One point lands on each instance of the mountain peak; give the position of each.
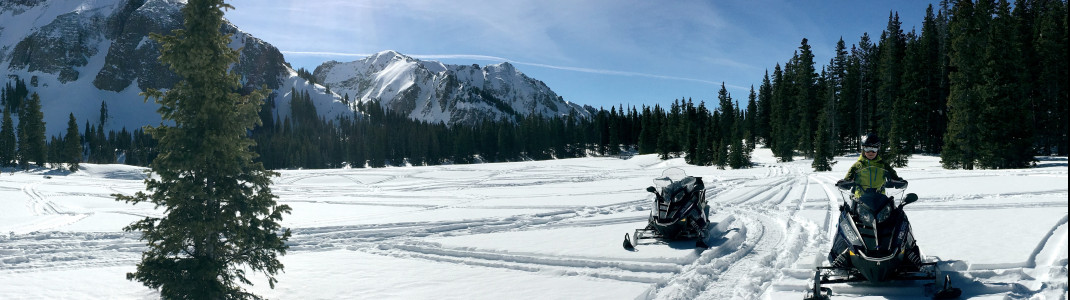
(387, 56)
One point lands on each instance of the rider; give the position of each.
(870, 171)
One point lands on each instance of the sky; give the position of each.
(600, 53)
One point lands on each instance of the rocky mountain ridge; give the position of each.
(436, 92)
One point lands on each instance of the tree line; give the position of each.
(24, 143)
(984, 85)
(377, 137)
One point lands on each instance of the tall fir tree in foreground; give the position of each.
(221, 216)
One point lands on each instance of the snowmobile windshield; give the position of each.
(874, 207)
(669, 177)
(674, 184)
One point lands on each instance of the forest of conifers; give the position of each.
(982, 84)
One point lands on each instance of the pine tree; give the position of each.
(765, 102)
(1006, 138)
(221, 216)
(781, 120)
(724, 132)
(890, 63)
(837, 105)
(822, 151)
(751, 119)
(7, 140)
(806, 100)
(1049, 41)
(968, 30)
(72, 145)
(907, 111)
(32, 145)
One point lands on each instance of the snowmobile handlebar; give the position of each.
(845, 184)
(895, 184)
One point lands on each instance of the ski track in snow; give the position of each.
(767, 242)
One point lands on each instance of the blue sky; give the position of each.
(600, 53)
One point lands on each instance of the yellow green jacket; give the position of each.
(870, 173)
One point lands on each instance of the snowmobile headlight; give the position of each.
(868, 215)
(865, 214)
(884, 214)
(678, 197)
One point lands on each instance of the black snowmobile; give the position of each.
(679, 212)
(875, 243)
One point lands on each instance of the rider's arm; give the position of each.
(853, 171)
(891, 174)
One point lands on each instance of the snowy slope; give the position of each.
(441, 93)
(73, 54)
(553, 230)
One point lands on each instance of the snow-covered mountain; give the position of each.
(436, 92)
(76, 54)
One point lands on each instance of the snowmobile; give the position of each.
(875, 243)
(679, 210)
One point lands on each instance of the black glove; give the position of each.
(896, 183)
(845, 184)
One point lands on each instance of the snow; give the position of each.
(552, 230)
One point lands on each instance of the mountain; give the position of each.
(77, 54)
(436, 92)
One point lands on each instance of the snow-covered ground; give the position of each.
(552, 230)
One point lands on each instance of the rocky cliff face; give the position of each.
(436, 92)
(77, 53)
(64, 46)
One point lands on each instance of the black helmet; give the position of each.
(871, 141)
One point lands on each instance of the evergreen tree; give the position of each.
(783, 141)
(765, 102)
(1006, 137)
(7, 140)
(968, 30)
(648, 135)
(752, 118)
(32, 146)
(221, 216)
(931, 63)
(868, 76)
(72, 146)
(1049, 42)
(806, 100)
(724, 132)
(907, 111)
(890, 64)
(837, 106)
(103, 113)
(822, 151)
